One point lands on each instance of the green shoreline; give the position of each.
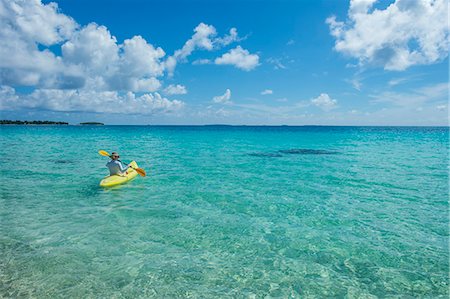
(45, 122)
(32, 122)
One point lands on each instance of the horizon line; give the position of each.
(225, 125)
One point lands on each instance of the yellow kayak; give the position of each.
(114, 180)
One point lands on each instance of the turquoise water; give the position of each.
(247, 212)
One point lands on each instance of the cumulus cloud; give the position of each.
(201, 39)
(204, 38)
(404, 34)
(141, 58)
(133, 65)
(139, 65)
(93, 49)
(71, 67)
(175, 89)
(140, 85)
(266, 91)
(89, 101)
(324, 102)
(7, 97)
(240, 58)
(33, 21)
(24, 26)
(29, 28)
(223, 99)
(88, 54)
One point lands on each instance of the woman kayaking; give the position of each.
(115, 165)
(118, 173)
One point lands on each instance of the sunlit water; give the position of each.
(307, 212)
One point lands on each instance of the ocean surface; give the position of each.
(241, 212)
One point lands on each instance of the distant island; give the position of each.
(92, 123)
(31, 122)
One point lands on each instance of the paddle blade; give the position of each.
(103, 153)
(140, 171)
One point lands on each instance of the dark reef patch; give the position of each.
(307, 151)
(60, 161)
(270, 155)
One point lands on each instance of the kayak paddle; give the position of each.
(140, 171)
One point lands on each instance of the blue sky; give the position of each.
(360, 62)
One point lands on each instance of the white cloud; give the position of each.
(170, 64)
(32, 21)
(72, 67)
(8, 97)
(324, 102)
(140, 85)
(88, 101)
(282, 111)
(93, 49)
(360, 6)
(441, 107)
(396, 81)
(203, 38)
(175, 89)
(139, 65)
(404, 34)
(141, 58)
(88, 54)
(266, 91)
(201, 61)
(24, 26)
(356, 83)
(240, 58)
(228, 39)
(414, 98)
(277, 64)
(223, 99)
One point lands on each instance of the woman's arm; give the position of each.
(123, 169)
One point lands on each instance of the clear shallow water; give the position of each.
(225, 212)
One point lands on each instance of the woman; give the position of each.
(115, 165)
